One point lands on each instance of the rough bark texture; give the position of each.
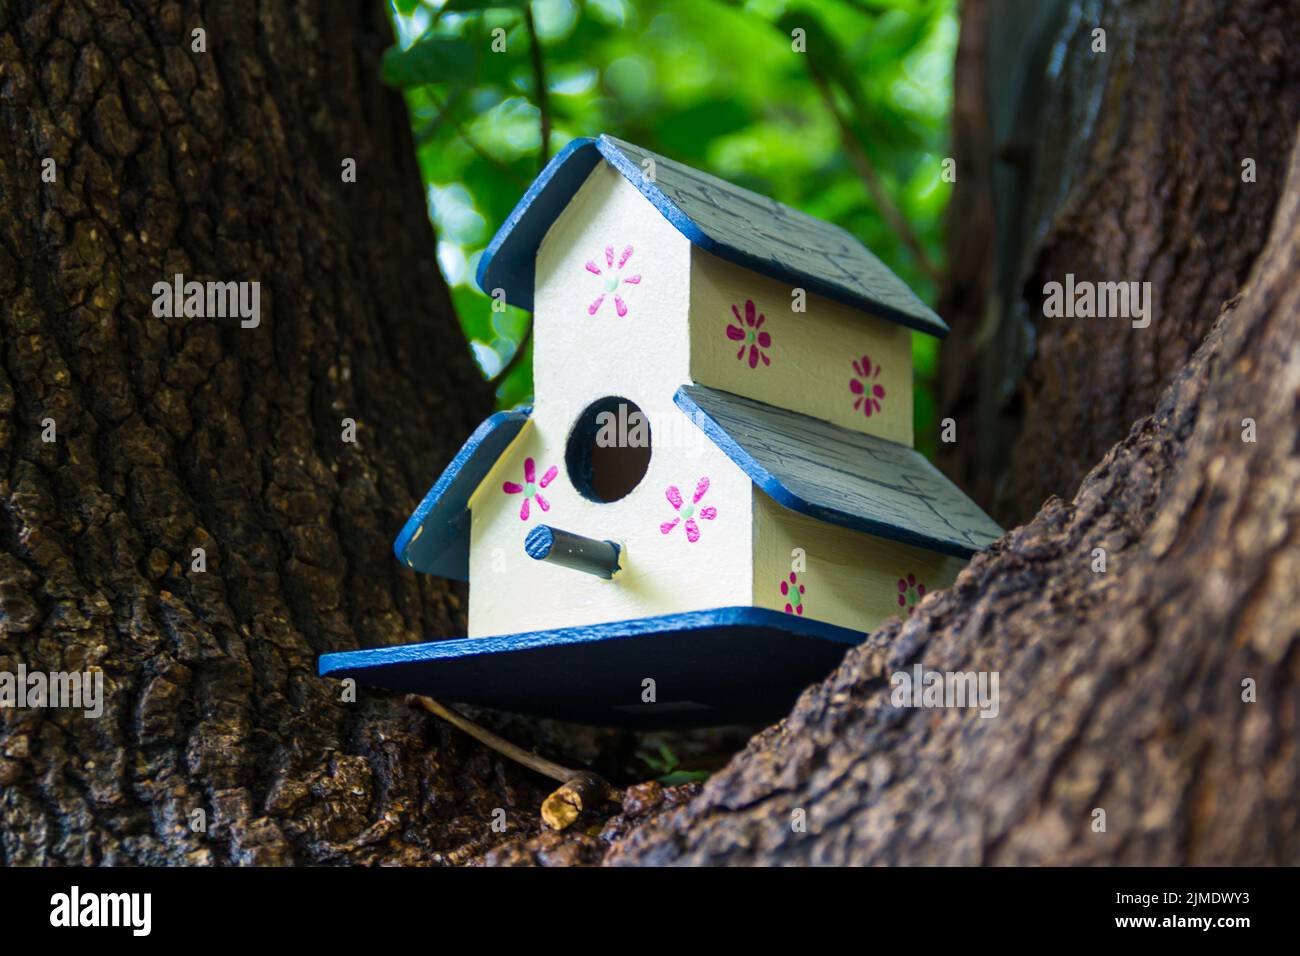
(175, 434)
(1124, 165)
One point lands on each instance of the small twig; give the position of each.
(547, 768)
(580, 790)
(444, 107)
(867, 173)
(539, 83)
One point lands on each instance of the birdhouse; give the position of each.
(715, 493)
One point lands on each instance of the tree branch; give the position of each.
(867, 173)
(539, 83)
(445, 113)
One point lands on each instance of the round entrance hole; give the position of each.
(609, 449)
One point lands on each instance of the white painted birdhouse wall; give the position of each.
(585, 350)
(840, 576)
(584, 347)
(806, 361)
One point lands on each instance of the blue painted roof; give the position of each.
(723, 665)
(435, 539)
(735, 224)
(841, 476)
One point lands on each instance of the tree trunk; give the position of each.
(1161, 691)
(177, 434)
(1116, 166)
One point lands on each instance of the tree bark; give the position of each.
(176, 434)
(1117, 166)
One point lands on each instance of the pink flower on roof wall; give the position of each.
(612, 279)
(910, 592)
(748, 331)
(531, 488)
(869, 392)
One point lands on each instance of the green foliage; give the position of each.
(666, 764)
(716, 85)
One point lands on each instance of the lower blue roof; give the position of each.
(818, 469)
(841, 476)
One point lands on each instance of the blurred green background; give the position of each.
(854, 130)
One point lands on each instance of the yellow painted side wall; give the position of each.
(850, 579)
(811, 354)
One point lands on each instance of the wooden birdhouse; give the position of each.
(715, 493)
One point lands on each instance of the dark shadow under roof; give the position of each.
(841, 476)
(732, 223)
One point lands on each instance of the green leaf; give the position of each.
(475, 312)
(895, 36)
(517, 389)
(432, 59)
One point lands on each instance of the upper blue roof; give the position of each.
(735, 224)
(841, 476)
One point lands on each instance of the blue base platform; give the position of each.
(721, 666)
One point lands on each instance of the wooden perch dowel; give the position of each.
(574, 551)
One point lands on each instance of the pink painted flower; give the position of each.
(748, 332)
(612, 277)
(793, 590)
(869, 395)
(531, 488)
(687, 512)
(910, 592)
